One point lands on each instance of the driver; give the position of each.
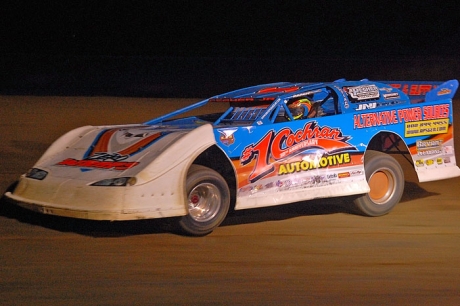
(300, 109)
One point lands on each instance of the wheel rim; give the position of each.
(204, 202)
(382, 185)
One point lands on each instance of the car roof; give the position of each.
(264, 92)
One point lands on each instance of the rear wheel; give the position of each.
(386, 181)
(207, 202)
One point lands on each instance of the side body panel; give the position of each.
(307, 159)
(323, 157)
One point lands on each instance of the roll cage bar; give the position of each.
(268, 115)
(264, 116)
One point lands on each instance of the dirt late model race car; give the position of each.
(277, 143)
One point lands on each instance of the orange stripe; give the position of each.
(103, 143)
(138, 145)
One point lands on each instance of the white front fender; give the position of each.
(174, 162)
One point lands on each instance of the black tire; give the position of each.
(207, 202)
(386, 180)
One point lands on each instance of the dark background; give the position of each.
(201, 48)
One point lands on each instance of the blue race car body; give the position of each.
(257, 153)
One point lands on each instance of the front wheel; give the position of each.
(207, 202)
(386, 181)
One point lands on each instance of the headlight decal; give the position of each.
(116, 182)
(36, 174)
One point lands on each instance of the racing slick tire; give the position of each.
(207, 201)
(386, 181)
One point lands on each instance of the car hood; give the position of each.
(95, 153)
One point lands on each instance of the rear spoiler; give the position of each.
(426, 90)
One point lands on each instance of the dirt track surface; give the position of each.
(312, 253)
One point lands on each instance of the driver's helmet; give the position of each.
(299, 108)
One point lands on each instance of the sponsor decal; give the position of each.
(444, 91)
(226, 136)
(317, 179)
(448, 150)
(246, 189)
(257, 188)
(278, 146)
(248, 99)
(414, 89)
(323, 162)
(107, 165)
(356, 172)
(427, 127)
(111, 147)
(429, 147)
(365, 106)
(426, 144)
(374, 119)
(410, 114)
(308, 93)
(276, 89)
(387, 89)
(292, 183)
(102, 156)
(345, 98)
(372, 105)
(106, 142)
(362, 92)
(436, 111)
(413, 114)
(393, 95)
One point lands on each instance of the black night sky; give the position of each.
(205, 33)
